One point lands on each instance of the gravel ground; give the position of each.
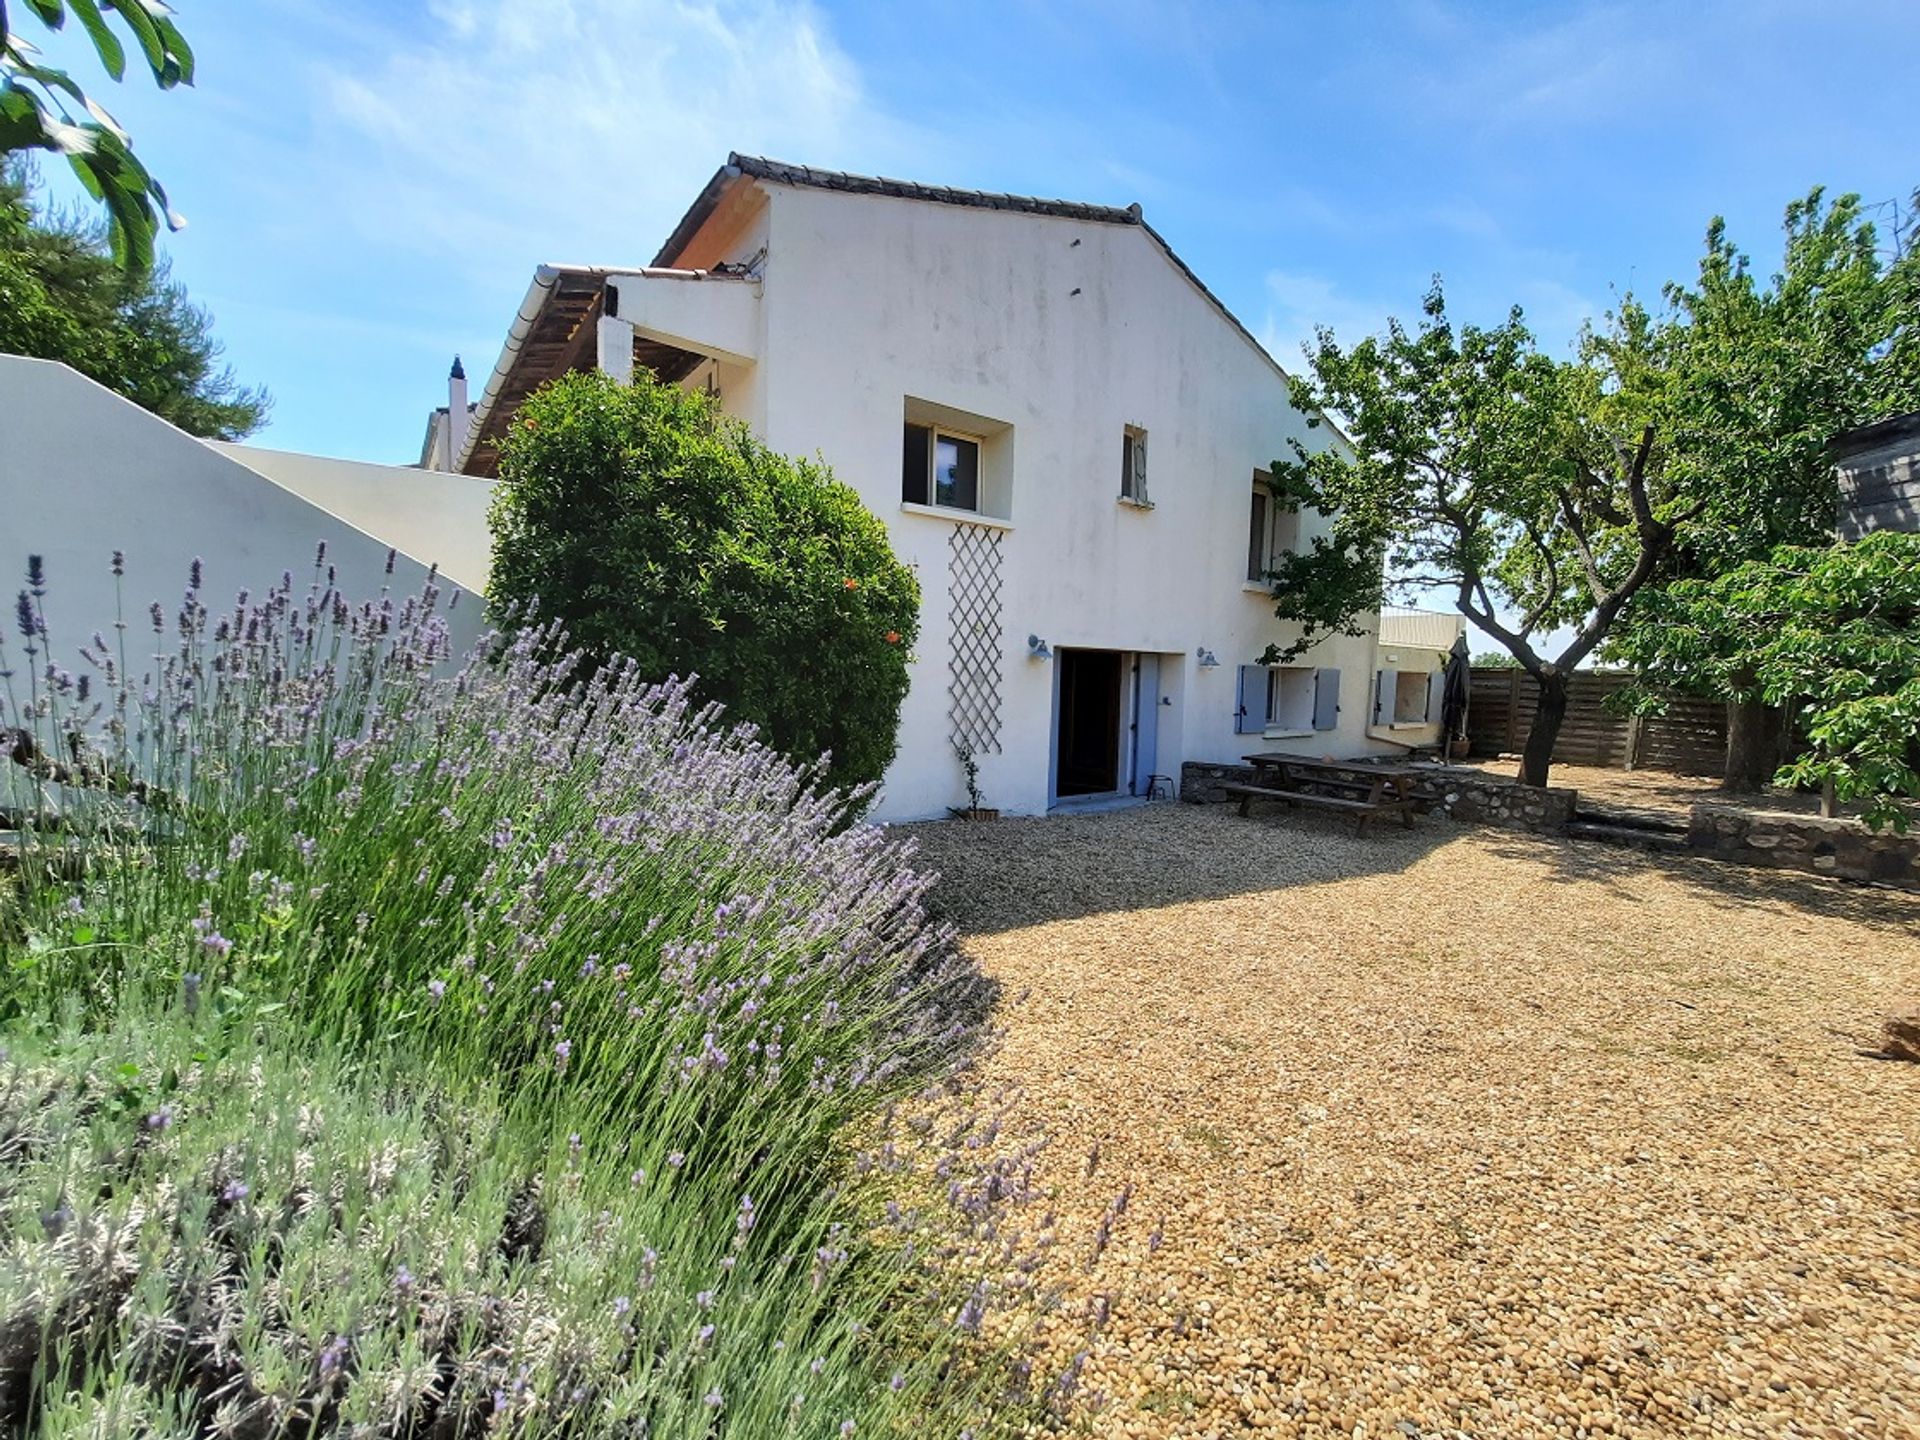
(1456, 1132)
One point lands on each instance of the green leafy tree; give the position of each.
(1672, 446)
(1755, 379)
(1829, 634)
(44, 108)
(1524, 485)
(63, 297)
(657, 528)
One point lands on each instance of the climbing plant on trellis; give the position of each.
(974, 642)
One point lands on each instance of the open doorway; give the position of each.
(1087, 760)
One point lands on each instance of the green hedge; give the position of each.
(654, 527)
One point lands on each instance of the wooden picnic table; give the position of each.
(1359, 789)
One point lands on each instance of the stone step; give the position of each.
(1639, 837)
(1602, 813)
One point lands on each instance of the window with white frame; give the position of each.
(1411, 689)
(1290, 692)
(940, 467)
(1273, 530)
(1133, 465)
(1287, 699)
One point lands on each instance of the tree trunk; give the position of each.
(1752, 739)
(1537, 758)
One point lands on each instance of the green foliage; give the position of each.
(44, 108)
(593, 1015)
(1477, 463)
(1751, 381)
(1671, 445)
(653, 526)
(63, 297)
(1833, 634)
(205, 1217)
(1494, 660)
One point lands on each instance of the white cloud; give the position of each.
(510, 132)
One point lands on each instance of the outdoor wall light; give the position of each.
(1208, 660)
(1037, 648)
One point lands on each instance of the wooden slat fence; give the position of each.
(1690, 739)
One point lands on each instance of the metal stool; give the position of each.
(1159, 787)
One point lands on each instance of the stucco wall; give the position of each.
(438, 516)
(1067, 331)
(84, 472)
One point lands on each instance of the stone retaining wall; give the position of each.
(1464, 794)
(1845, 848)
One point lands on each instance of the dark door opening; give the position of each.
(1089, 736)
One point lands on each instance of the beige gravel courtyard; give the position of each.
(1456, 1132)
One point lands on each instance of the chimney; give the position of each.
(456, 413)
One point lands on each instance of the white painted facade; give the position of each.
(1043, 337)
(84, 472)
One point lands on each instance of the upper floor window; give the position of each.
(1133, 465)
(939, 467)
(1273, 530)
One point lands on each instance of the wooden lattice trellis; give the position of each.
(974, 654)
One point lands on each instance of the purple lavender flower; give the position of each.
(37, 575)
(437, 989)
(562, 1052)
(195, 574)
(119, 563)
(23, 617)
(235, 1192)
(161, 1119)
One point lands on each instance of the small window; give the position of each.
(1410, 690)
(1273, 530)
(1290, 697)
(939, 468)
(1133, 465)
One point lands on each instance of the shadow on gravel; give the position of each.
(1008, 874)
(1733, 887)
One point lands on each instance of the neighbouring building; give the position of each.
(1065, 432)
(1879, 471)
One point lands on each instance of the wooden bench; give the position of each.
(1365, 809)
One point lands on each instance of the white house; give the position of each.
(1065, 433)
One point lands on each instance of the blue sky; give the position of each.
(371, 182)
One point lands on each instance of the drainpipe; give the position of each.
(529, 311)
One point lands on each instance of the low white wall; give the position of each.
(437, 517)
(84, 472)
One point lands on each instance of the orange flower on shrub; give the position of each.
(893, 637)
(851, 583)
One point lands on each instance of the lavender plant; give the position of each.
(267, 1241)
(643, 943)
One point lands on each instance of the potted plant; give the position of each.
(975, 810)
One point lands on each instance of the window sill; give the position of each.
(1256, 587)
(1411, 724)
(964, 517)
(1287, 734)
(1133, 504)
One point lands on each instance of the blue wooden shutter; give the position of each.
(1385, 682)
(1326, 699)
(1436, 689)
(1250, 714)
